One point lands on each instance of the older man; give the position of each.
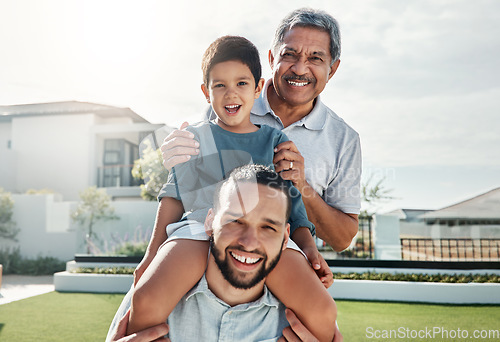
(248, 230)
(323, 156)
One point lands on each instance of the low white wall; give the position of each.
(401, 291)
(44, 227)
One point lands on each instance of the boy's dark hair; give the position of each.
(231, 48)
(259, 174)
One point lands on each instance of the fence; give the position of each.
(363, 246)
(450, 249)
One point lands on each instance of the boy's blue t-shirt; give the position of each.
(221, 151)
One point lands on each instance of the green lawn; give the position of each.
(86, 317)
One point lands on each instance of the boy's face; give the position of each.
(231, 91)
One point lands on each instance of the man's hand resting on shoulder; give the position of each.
(178, 147)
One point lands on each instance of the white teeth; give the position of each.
(298, 84)
(233, 106)
(245, 260)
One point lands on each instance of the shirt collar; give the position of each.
(315, 120)
(267, 298)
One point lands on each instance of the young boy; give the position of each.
(232, 81)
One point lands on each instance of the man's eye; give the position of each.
(270, 228)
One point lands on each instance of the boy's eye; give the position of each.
(219, 85)
(241, 83)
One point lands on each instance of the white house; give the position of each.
(476, 218)
(67, 147)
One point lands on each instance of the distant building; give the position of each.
(69, 146)
(477, 217)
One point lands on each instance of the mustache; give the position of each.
(298, 78)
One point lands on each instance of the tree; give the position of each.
(94, 206)
(8, 228)
(150, 169)
(373, 194)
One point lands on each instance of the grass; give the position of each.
(59, 316)
(86, 317)
(362, 321)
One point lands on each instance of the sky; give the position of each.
(418, 80)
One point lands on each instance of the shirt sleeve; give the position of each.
(343, 192)
(298, 215)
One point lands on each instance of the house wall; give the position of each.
(7, 158)
(436, 231)
(53, 152)
(46, 228)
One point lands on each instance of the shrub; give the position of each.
(435, 278)
(14, 263)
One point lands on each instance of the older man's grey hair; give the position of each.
(308, 17)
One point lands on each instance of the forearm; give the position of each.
(303, 238)
(169, 211)
(332, 226)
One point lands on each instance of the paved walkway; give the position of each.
(16, 287)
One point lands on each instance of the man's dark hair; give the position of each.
(231, 48)
(259, 174)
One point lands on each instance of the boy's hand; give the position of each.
(320, 266)
(178, 147)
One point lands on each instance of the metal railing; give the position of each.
(450, 249)
(363, 247)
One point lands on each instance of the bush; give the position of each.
(131, 249)
(434, 278)
(14, 263)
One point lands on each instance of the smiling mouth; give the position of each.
(297, 83)
(244, 260)
(232, 109)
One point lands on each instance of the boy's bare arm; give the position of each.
(170, 210)
(303, 238)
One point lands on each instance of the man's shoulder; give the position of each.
(200, 127)
(337, 124)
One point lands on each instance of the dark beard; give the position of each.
(228, 274)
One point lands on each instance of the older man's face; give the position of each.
(301, 67)
(249, 232)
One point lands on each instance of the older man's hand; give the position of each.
(178, 147)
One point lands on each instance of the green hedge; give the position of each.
(434, 278)
(14, 263)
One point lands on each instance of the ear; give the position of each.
(205, 92)
(209, 220)
(333, 69)
(271, 59)
(259, 88)
(287, 236)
